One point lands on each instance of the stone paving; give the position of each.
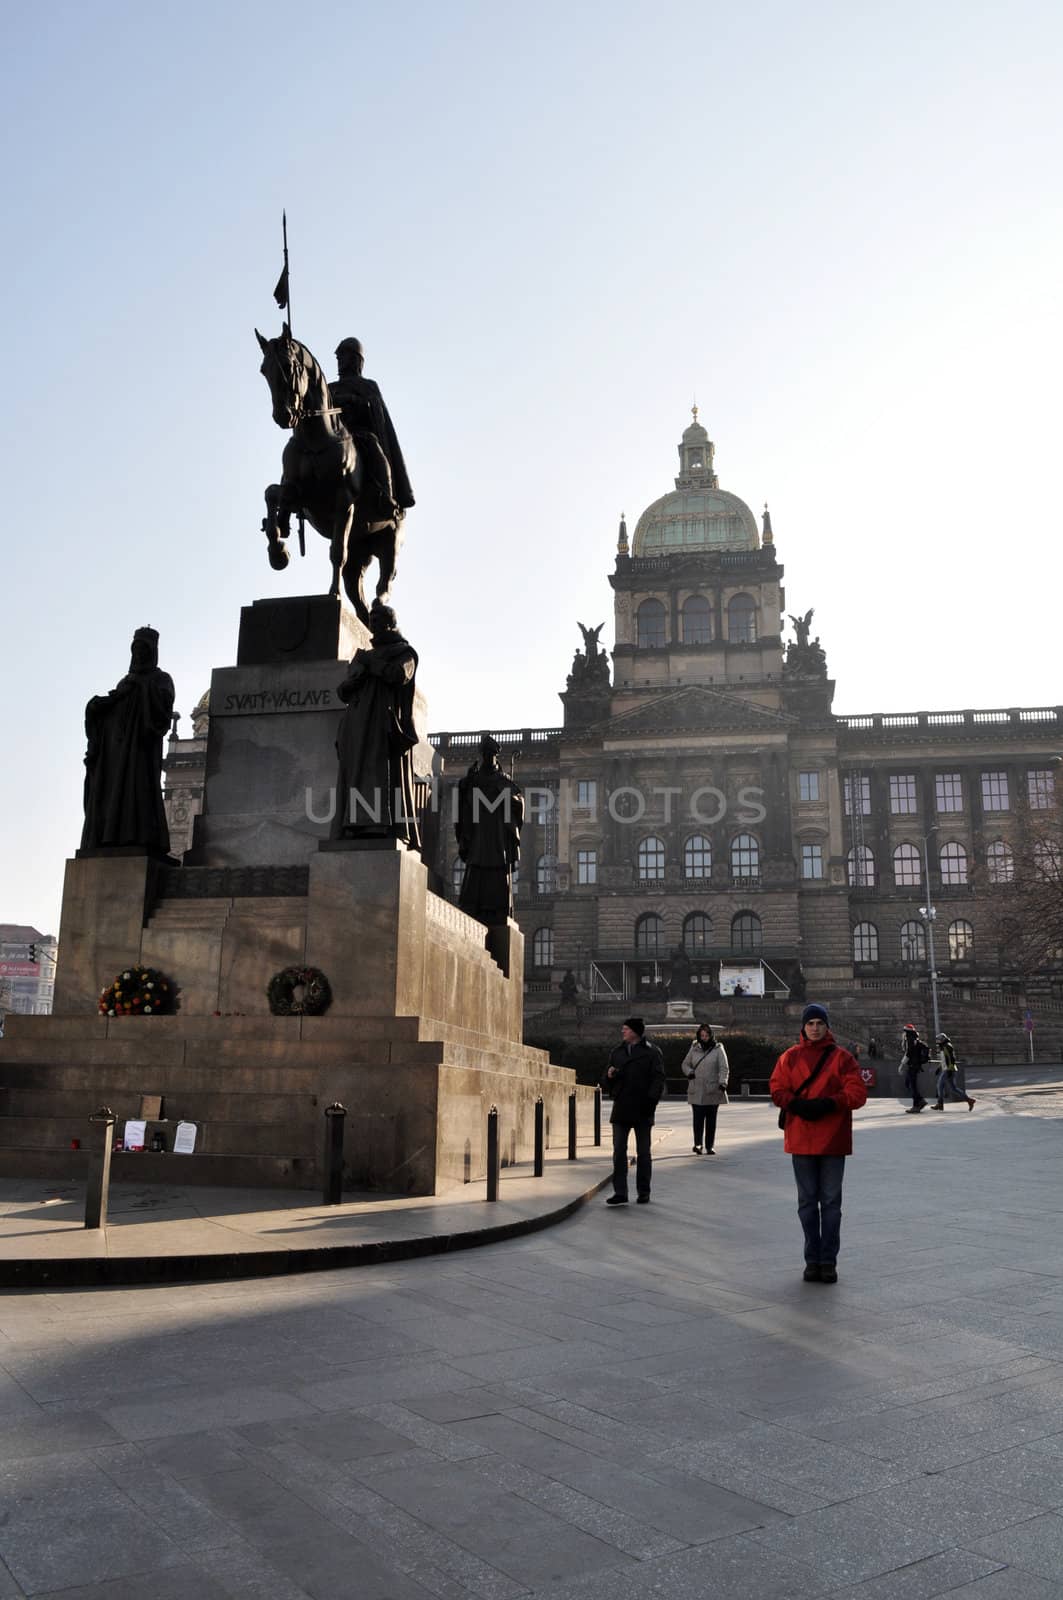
(640, 1402)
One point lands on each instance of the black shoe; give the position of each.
(642, 1199)
(617, 1200)
(828, 1272)
(696, 1150)
(710, 1152)
(811, 1272)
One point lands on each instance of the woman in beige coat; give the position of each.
(705, 1064)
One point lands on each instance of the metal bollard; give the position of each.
(540, 1142)
(335, 1123)
(572, 1127)
(597, 1116)
(493, 1158)
(98, 1180)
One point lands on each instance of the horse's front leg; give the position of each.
(338, 549)
(275, 525)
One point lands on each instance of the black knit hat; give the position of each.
(636, 1025)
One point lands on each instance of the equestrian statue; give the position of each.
(342, 469)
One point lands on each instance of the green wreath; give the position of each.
(284, 1001)
(138, 992)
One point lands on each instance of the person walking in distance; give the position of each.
(948, 1079)
(705, 1064)
(817, 1086)
(915, 1053)
(635, 1078)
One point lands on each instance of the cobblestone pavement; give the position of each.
(641, 1402)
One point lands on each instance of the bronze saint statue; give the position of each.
(490, 817)
(123, 761)
(803, 626)
(366, 418)
(353, 490)
(377, 737)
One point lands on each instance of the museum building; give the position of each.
(700, 795)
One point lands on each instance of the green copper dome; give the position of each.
(698, 514)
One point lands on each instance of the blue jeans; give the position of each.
(643, 1159)
(819, 1205)
(948, 1084)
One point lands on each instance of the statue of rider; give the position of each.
(366, 418)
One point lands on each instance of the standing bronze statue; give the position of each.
(123, 761)
(351, 487)
(490, 817)
(377, 736)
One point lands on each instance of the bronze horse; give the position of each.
(322, 477)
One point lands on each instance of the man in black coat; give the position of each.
(635, 1078)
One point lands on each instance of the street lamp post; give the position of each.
(929, 916)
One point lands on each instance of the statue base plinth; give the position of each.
(679, 1011)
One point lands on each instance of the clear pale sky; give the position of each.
(551, 226)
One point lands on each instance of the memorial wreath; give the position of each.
(299, 992)
(138, 992)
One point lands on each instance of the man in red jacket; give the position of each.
(817, 1085)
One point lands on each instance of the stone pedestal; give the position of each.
(271, 766)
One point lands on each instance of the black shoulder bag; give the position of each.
(820, 1064)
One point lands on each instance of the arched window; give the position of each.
(861, 861)
(907, 867)
(648, 931)
(651, 860)
(1000, 863)
(961, 941)
(697, 933)
(742, 619)
(514, 876)
(1047, 861)
(651, 625)
(913, 941)
(865, 942)
(745, 856)
(457, 875)
(697, 857)
(545, 876)
(746, 931)
(697, 620)
(543, 947)
(953, 863)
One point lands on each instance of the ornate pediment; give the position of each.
(695, 709)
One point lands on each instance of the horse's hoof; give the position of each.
(278, 557)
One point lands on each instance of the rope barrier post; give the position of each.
(572, 1126)
(597, 1116)
(335, 1123)
(540, 1139)
(98, 1181)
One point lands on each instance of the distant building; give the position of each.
(702, 797)
(26, 985)
(185, 769)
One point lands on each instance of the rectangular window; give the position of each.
(995, 791)
(948, 791)
(811, 861)
(587, 794)
(808, 785)
(903, 796)
(586, 866)
(857, 787)
(1040, 790)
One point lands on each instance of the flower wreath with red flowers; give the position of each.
(299, 992)
(138, 992)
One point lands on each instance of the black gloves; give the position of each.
(811, 1110)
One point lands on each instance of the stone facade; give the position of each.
(709, 797)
